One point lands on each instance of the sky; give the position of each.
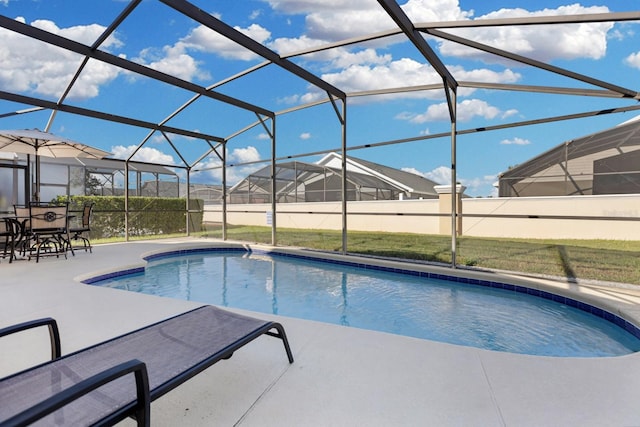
(157, 37)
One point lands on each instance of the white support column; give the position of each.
(188, 196)
(273, 181)
(224, 191)
(126, 200)
(453, 105)
(343, 121)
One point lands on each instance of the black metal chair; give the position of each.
(49, 230)
(23, 239)
(82, 231)
(9, 230)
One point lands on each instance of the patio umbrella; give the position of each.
(39, 143)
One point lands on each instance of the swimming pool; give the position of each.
(490, 315)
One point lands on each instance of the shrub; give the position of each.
(147, 215)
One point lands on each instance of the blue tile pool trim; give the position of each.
(169, 254)
(113, 275)
(192, 251)
(596, 311)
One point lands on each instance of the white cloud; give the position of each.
(145, 154)
(172, 60)
(344, 58)
(297, 7)
(367, 69)
(176, 60)
(205, 39)
(337, 19)
(86, 34)
(440, 175)
(479, 186)
(406, 72)
(515, 141)
(484, 75)
(235, 173)
(617, 35)
(403, 72)
(291, 99)
(328, 21)
(287, 45)
(633, 60)
(340, 57)
(510, 112)
(27, 65)
(435, 10)
(247, 154)
(546, 43)
(466, 110)
(305, 135)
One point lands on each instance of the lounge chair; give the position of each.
(82, 231)
(166, 354)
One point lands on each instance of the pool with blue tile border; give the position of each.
(371, 265)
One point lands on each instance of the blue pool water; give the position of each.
(434, 309)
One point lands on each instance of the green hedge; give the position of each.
(147, 215)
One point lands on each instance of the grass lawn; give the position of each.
(603, 260)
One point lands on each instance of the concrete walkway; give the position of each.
(341, 377)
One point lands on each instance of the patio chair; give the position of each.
(172, 351)
(9, 231)
(49, 230)
(23, 239)
(82, 231)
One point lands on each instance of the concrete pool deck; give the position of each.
(341, 376)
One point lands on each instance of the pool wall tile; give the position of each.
(113, 275)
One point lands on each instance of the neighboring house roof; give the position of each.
(360, 173)
(286, 173)
(575, 159)
(409, 182)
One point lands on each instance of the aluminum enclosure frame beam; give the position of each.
(404, 23)
(231, 33)
(84, 50)
(532, 20)
(627, 93)
(532, 122)
(96, 44)
(50, 105)
(416, 33)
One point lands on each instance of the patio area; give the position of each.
(341, 376)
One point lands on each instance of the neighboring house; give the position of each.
(322, 182)
(606, 162)
(156, 188)
(209, 193)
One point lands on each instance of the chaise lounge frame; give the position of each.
(93, 386)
